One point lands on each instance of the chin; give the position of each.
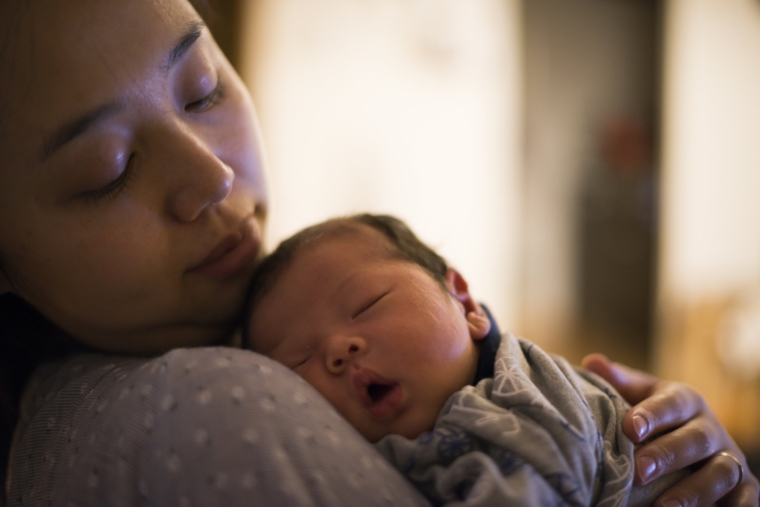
(414, 429)
(164, 338)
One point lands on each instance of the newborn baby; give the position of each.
(384, 329)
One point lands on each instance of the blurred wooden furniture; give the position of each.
(688, 352)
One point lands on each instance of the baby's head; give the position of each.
(372, 318)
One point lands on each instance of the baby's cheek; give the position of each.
(419, 421)
(327, 388)
(306, 372)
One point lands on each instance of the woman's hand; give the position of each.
(686, 431)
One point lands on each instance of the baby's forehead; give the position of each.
(316, 256)
(349, 235)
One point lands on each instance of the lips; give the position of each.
(382, 397)
(233, 253)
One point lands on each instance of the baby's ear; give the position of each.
(477, 321)
(478, 324)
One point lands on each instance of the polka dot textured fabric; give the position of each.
(194, 427)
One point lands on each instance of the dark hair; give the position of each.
(9, 22)
(27, 339)
(402, 244)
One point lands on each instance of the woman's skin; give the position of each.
(129, 156)
(692, 434)
(129, 152)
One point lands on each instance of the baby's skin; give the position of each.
(377, 335)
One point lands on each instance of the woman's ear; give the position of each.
(477, 320)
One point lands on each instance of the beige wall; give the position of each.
(410, 107)
(710, 234)
(711, 182)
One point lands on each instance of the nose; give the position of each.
(198, 178)
(341, 350)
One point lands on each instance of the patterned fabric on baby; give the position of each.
(195, 427)
(536, 434)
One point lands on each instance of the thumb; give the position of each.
(633, 385)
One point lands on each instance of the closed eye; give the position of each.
(369, 304)
(113, 188)
(209, 100)
(304, 360)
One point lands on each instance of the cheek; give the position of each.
(309, 374)
(242, 142)
(81, 258)
(326, 387)
(440, 332)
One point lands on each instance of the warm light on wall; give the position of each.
(710, 235)
(403, 107)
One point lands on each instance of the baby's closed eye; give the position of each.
(299, 358)
(366, 305)
(301, 362)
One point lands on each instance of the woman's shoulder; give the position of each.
(209, 425)
(89, 412)
(68, 383)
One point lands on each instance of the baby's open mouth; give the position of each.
(377, 392)
(381, 396)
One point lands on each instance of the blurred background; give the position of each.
(592, 167)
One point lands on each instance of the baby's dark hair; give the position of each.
(402, 244)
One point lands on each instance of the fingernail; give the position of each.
(646, 467)
(671, 502)
(640, 426)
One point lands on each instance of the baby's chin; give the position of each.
(411, 428)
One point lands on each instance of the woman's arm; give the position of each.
(686, 433)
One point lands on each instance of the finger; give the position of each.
(671, 405)
(632, 384)
(682, 447)
(659, 405)
(704, 487)
(747, 494)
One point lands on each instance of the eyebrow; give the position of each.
(73, 129)
(191, 35)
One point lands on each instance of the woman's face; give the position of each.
(132, 199)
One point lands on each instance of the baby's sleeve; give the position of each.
(203, 426)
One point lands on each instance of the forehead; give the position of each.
(318, 271)
(338, 254)
(62, 58)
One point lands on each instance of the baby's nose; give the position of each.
(342, 351)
